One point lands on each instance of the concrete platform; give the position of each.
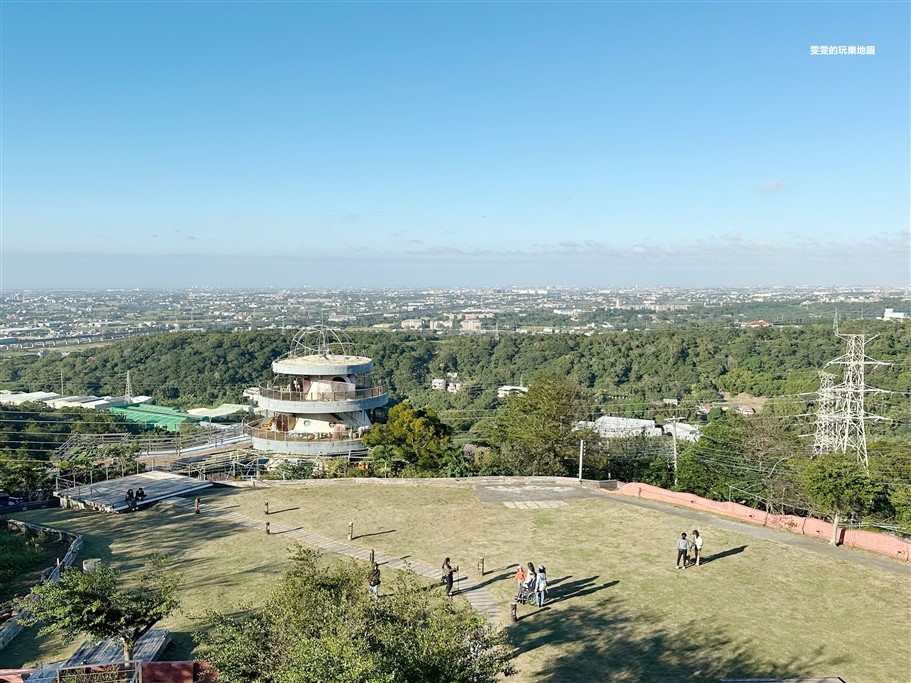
(110, 651)
(109, 496)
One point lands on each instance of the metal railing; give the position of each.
(299, 437)
(323, 395)
(121, 672)
(146, 445)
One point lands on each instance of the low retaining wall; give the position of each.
(151, 672)
(882, 544)
(11, 627)
(423, 481)
(178, 672)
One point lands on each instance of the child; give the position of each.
(520, 579)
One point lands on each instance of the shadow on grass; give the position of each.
(375, 533)
(276, 512)
(575, 589)
(722, 554)
(599, 642)
(487, 581)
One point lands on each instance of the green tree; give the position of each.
(382, 458)
(535, 431)
(900, 498)
(102, 604)
(321, 625)
(837, 485)
(415, 435)
(24, 477)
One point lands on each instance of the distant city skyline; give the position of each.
(454, 144)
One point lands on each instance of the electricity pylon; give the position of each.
(825, 414)
(850, 416)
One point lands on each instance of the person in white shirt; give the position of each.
(696, 545)
(682, 546)
(540, 585)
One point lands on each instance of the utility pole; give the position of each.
(61, 381)
(581, 453)
(128, 394)
(674, 421)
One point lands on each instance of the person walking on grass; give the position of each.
(682, 546)
(373, 580)
(696, 546)
(540, 585)
(447, 576)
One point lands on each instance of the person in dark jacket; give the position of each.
(373, 580)
(447, 576)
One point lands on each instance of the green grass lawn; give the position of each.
(619, 610)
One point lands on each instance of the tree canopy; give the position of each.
(321, 625)
(105, 604)
(837, 485)
(535, 432)
(414, 435)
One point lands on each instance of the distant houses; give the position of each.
(891, 315)
(509, 390)
(611, 427)
(453, 385)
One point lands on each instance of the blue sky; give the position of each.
(206, 143)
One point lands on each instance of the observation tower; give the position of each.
(317, 405)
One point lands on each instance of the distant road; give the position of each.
(76, 340)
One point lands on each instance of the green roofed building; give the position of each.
(156, 416)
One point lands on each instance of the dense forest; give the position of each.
(763, 460)
(626, 372)
(623, 373)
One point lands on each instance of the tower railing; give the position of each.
(323, 395)
(299, 437)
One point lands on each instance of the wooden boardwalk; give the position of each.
(471, 589)
(109, 496)
(109, 651)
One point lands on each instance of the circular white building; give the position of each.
(316, 406)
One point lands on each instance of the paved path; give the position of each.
(524, 493)
(534, 504)
(769, 534)
(473, 591)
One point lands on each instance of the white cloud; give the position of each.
(774, 186)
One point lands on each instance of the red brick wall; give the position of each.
(808, 526)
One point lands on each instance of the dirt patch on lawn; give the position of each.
(746, 400)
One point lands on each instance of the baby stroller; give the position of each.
(526, 595)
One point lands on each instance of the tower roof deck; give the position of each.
(322, 364)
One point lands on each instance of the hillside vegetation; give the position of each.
(625, 370)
